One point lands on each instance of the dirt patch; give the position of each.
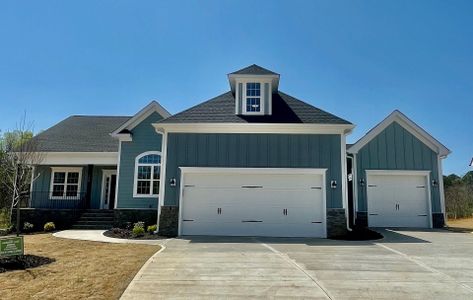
(359, 234)
(460, 225)
(23, 262)
(128, 234)
(81, 269)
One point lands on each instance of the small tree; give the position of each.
(18, 155)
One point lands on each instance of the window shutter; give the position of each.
(266, 98)
(239, 100)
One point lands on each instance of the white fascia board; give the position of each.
(410, 126)
(397, 172)
(260, 171)
(79, 158)
(274, 79)
(254, 128)
(152, 107)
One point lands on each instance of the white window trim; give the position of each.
(262, 81)
(65, 170)
(135, 180)
(261, 98)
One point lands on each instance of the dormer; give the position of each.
(253, 88)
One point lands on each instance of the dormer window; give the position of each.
(253, 88)
(253, 97)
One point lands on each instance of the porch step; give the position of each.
(104, 227)
(95, 219)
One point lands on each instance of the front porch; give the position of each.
(73, 187)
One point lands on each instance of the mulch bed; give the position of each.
(119, 233)
(359, 234)
(23, 262)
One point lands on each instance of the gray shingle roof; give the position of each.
(81, 134)
(286, 109)
(254, 70)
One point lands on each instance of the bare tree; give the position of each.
(19, 155)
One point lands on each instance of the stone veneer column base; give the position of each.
(336, 222)
(438, 220)
(168, 221)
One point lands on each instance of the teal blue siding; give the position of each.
(254, 151)
(397, 149)
(145, 138)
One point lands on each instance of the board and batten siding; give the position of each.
(145, 138)
(254, 151)
(395, 148)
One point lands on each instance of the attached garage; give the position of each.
(397, 179)
(398, 199)
(252, 202)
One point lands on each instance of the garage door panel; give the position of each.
(398, 200)
(247, 204)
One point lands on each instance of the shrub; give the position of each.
(139, 229)
(28, 227)
(49, 226)
(152, 228)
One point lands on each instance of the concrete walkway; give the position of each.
(97, 236)
(404, 265)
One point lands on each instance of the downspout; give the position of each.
(344, 179)
(163, 172)
(352, 190)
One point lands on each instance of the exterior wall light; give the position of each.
(362, 182)
(434, 183)
(333, 184)
(172, 182)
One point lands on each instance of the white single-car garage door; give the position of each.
(253, 202)
(398, 199)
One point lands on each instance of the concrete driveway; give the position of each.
(407, 264)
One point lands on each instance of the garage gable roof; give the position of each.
(410, 126)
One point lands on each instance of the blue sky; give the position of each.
(357, 59)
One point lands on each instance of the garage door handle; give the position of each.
(372, 185)
(373, 214)
(317, 222)
(316, 187)
(251, 186)
(251, 221)
(424, 215)
(420, 186)
(187, 220)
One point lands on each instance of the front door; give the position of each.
(109, 182)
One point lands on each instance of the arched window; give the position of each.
(147, 174)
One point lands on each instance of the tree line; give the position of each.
(459, 195)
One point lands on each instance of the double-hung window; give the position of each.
(65, 183)
(147, 174)
(253, 97)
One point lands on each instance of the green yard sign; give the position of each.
(11, 246)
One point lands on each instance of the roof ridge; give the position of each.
(98, 116)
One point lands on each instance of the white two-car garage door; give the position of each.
(253, 202)
(398, 199)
